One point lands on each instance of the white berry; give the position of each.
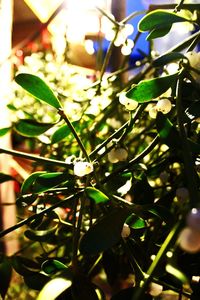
(164, 106)
(130, 104)
(153, 112)
(126, 231)
(193, 219)
(155, 289)
(194, 60)
(189, 240)
(82, 168)
(117, 154)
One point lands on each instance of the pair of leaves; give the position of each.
(159, 23)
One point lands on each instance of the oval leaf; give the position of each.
(53, 289)
(31, 128)
(5, 275)
(105, 233)
(4, 131)
(29, 181)
(24, 266)
(37, 88)
(96, 195)
(150, 89)
(167, 58)
(36, 281)
(159, 18)
(41, 235)
(159, 31)
(61, 133)
(46, 181)
(52, 266)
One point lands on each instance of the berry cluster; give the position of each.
(164, 106)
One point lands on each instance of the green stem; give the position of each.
(153, 267)
(71, 127)
(108, 55)
(33, 157)
(187, 154)
(44, 211)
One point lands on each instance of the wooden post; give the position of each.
(8, 213)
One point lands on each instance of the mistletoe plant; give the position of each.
(115, 193)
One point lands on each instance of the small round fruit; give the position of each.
(164, 106)
(193, 219)
(82, 168)
(131, 104)
(189, 240)
(153, 112)
(126, 231)
(117, 154)
(155, 289)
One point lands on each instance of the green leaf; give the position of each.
(150, 89)
(96, 195)
(167, 58)
(41, 235)
(5, 275)
(29, 181)
(136, 222)
(5, 177)
(177, 273)
(159, 18)
(53, 289)
(36, 281)
(31, 128)
(167, 132)
(46, 181)
(105, 233)
(37, 88)
(51, 266)
(159, 31)
(63, 132)
(4, 131)
(24, 266)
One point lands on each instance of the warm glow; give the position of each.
(43, 9)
